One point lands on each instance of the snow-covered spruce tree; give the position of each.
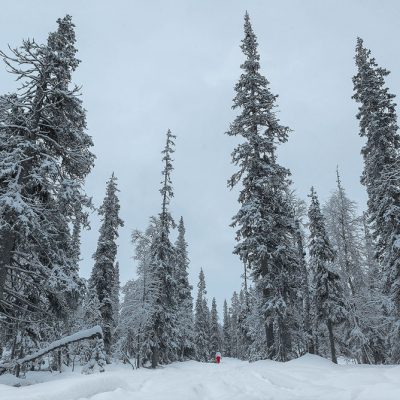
(184, 296)
(73, 320)
(91, 353)
(201, 322)
(303, 312)
(127, 345)
(239, 328)
(103, 273)
(215, 338)
(98, 358)
(371, 263)
(74, 298)
(142, 301)
(235, 327)
(243, 334)
(256, 326)
(377, 298)
(345, 230)
(378, 124)
(135, 331)
(88, 315)
(207, 313)
(307, 323)
(226, 330)
(298, 298)
(165, 346)
(44, 159)
(264, 222)
(91, 313)
(328, 296)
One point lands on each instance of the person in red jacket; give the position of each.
(218, 357)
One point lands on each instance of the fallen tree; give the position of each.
(92, 333)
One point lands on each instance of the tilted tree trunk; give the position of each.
(83, 335)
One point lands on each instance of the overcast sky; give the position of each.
(152, 65)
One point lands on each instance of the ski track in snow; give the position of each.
(307, 378)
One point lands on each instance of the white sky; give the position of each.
(152, 65)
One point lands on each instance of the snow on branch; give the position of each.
(91, 333)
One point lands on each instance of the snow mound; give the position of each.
(312, 360)
(308, 378)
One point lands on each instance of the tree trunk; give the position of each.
(59, 360)
(246, 297)
(284, 339)
(154, 357)
(307, 318)
(316, 344)
(331, 341)
(14, 345)
(6, 248)
(269, 332)
(269, 328)
(138, 351)
(18, 367)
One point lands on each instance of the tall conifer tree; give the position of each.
(329, 302)
(103, 277)
(226, 330)
(201, 321)
(215, 339)
(378, 125)
(344, 228)
(165, 346)
(184, 296)
(44, 159)
(139, 305)
(307, 323)
(264, 222)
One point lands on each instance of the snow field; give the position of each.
(307, 378)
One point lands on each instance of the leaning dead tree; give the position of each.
(92, 333)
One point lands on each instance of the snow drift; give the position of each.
(308, 378)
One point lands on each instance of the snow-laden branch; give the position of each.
(91, 333)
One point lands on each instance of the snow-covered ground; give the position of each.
(308, 378)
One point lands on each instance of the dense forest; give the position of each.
(317, 278)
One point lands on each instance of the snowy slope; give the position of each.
(308, 378)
